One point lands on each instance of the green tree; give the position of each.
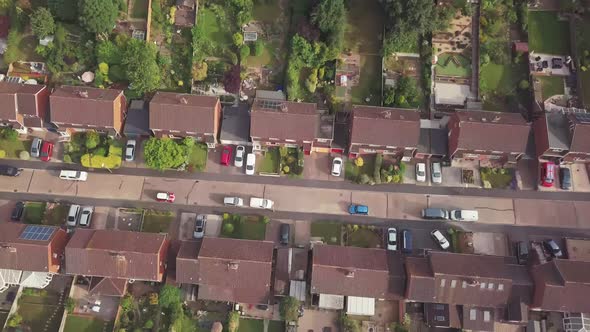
(330, 17)
(258, 48)
(12, 52)
(242, 10)
(164, 153)
(108, 52)
(312, 81)
(244, 52)
(349, 324)
(169, 296)
(42, 22)
(127, 303)
(65, 10)
(289, 309)
(238, 39)
(98, 16)
(141, 67)
(70, 305)
(92, 140)
(524, 85)
(200, 71)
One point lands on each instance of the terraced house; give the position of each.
(24, 106)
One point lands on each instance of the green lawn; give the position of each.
(83, 324)
(269, 163)
(157, 221)
(268, 54)
(266, 11)
(499, 81)
(276, 326)
(369, 81)
(330, 232)
(197, 159)
(364, 26)
(352, 172)
(13, 148)
(36, 316)
(446, 66)
(140, 9)
(495, 178)
(217, 31)
(547, 34)
(364, 238)
(251, 325)
(56, 215)
(551, 85)
(249, 228)
(34, 212)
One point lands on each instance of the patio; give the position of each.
(85, 301)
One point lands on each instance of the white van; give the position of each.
(73, 175)
(233, 201)
(73, 215)
(464, 215)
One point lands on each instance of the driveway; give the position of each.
(319, 321)
(187, 225)
(318, 166)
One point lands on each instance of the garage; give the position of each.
(360, 306)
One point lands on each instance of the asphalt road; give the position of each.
(346, 185)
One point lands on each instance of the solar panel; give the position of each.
(37, 233)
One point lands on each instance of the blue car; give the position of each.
(358, 209)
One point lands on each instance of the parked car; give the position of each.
(464, 215)
(440, 239)
(233, 201)
(522, 252)
(391, 238)
(358, 209)
(435, 213)
(250, 163)
(86, 216)
(565, 178)
(553, 249)
(130, 150)
(73, 175)
(261, 203)
(285, 234)
(165, 197)
(199, 231)
(46, 151)
(226, 154)
(547, 174)
(263, 307)
(9, 170)
(36, 147)
(407, 241)
(337, 166)
(436, 172)
(239, 159)
(73, 215)
(421, 172)
(17, 212)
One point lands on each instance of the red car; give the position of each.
(46, 151)
(547, 174)
(165, 197)
(226, 155)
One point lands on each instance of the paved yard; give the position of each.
(187, 226)
(103, 217)
(318, 166)
(490, 244)
(319, 321)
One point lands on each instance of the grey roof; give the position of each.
(558, 131)
(433, 141)
(235, 126)
(137, 122)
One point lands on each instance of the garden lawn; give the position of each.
(157, 221)
(547, 34)
(330, 232)
(84, 324)
(364, 238)
(268, 54)
(34, 212)
(251, 229)
(276, 326)
(56, 215)
(352, 172)
(37, 316)
(369, 81)
(251, 325)
(447, 67)
(197, 159)
(13, 148)
(216, 31)
(364, 26)
(551, 85)
(266, 11)
(502, 79)
(496, 179)
(140, 9)
(269, 163)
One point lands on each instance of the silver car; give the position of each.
(36, 147)
(86, 216)
(199, 232)
(239, 159)
(130, 150)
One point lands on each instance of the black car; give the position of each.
(553, 249)
(9, 170)
(565, 178)
(522, 252)
(285, 233)
(17, 212)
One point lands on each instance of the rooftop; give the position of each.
(385, 126)
(284, 120)
(235, 126)
(578, 249)
(183, 112)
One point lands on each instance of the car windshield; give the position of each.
(238, 158)
(225, 151)
(421, 173)
(43, 154)
(249, 167)
(436, 174)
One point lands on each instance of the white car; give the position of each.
(440, 239)
(337, 166)
(86, 216)
(261, 203)
(240, 152)
(250, 163)
(73, 215)
(233, 201)
(421, 172)
(392, 238)
(436, 172)
(36, 147)
(130, 150)
(73, 175)
(199, 231)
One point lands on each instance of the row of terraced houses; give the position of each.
(272, 121)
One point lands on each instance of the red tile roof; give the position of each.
(562, 285)
(227, 269)
(18, 99)
(183, 112)
(108, 286)
(385, 126)
(580, 136)
(84, 106)
(351, 271)
(284, 120)
(116, 254)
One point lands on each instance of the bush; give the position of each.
(127, 303)
(258, 48)
(92, 140)
(377, 170)
(9, 134)
(233, 57)
(364, 179)
(244, 52)
(233, 321)
(228, 228)
(67, 158)
(2, 154)
(359, 162)
(238, 39)
(70, 305)
(286, 169)
(24, 155)
(100, 152)
(265, 220)
(288, 309)
(149, 324)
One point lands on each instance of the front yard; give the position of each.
(157, 221)
(34, 212)
(363, 237)
(93, 150)
(353, 172)
(41, 213)
(547, 34)
(249, 227)
(12, 148)
(85, 324)
(270, 162)
(329, 232)
(496, 177)
(197, 159)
